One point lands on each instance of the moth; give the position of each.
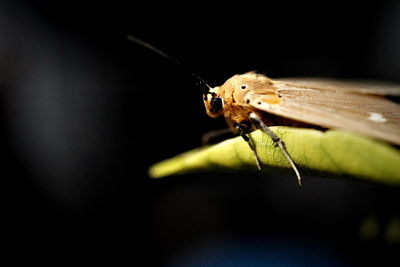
(251, 100)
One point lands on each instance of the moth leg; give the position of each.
(213, 134)
(242, 129)
(277, 141)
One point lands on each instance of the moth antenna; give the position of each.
(200, 80)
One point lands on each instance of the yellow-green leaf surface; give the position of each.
(332, 152)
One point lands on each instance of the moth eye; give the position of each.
(243, 87)
(216, 104)
(248, 101)
(259, 103)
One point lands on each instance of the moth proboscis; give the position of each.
(249, 101)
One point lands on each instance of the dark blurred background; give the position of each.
(84, 113)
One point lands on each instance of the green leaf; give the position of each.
(333, 152)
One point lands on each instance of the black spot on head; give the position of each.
(243, 87)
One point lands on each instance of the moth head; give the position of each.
(213, 102)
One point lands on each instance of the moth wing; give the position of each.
(342, 108)
(353, 86)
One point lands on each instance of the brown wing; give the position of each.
(342, 105)
(354, 86)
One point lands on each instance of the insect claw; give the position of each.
(288, 158)
(259, 166)
(299, 181)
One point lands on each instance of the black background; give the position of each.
(85, 113)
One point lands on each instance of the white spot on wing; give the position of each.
(376, 117)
